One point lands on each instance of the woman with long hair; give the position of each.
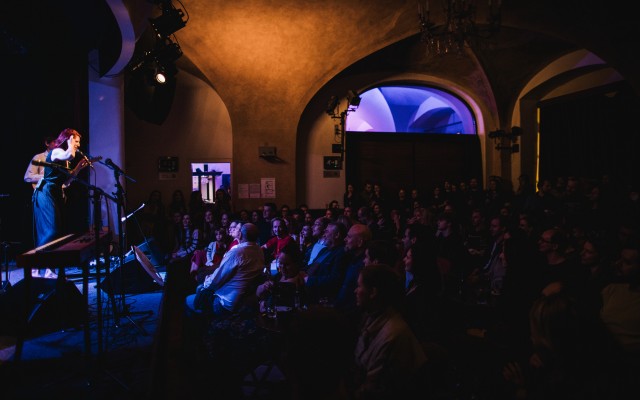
(48, 197)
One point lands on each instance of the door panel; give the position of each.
(400, 160)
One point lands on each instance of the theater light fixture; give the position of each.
(170, 21)
(160, 62)
(333, 110)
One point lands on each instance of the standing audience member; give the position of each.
(403, 204)
(154, 216)
(221, 204)
(388, 357)
(264, 225)
(178, 202)
(350, 198)
(366, 194)
(196, 206)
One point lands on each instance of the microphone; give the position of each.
(113, 166)
(84, 156)
(48, 164)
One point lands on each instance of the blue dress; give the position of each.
(48, 203)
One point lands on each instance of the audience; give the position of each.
(545, 258)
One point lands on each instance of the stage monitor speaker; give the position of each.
(57, 305)
(150, 249)
(137, 274)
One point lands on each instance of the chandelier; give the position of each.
(459, 28)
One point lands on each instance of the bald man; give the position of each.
(227, 288)
(357, 240)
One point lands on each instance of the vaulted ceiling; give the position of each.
(290, 49)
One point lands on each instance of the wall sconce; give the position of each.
(503, 135)
(268, 153)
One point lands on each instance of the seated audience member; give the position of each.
(235, 281)
(235, 233)
(388, 357)
(423, 290)
(186, 242)
(305, 239)
(557, 270)
(571, 358)
(381, 252)
(326, 272)
(356, 243)
(317, 231)
(279, 240)
(213, 253)
(620, 310)
(208, 227)
(288, 280)
(366, 216)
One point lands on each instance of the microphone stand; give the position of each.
(120, 201)
(97, 227)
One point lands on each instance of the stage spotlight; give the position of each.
(160, 76)
(163, 71)
(354, 99)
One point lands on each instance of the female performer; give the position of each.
(48, 198)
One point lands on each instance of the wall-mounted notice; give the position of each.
(243, 190)
(254, 190)
(268, 188)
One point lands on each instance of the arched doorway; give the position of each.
(408, 136)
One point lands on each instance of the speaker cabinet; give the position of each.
(56, 305)
(132, 277)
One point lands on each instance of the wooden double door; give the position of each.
(403, 160)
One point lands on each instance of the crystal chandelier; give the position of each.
(459, 28)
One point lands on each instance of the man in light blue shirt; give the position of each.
(228, 287)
